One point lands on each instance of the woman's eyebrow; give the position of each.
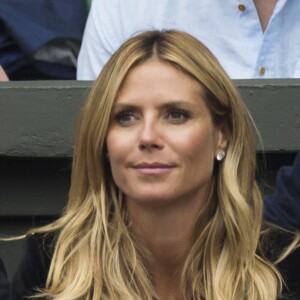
(125, 106)
(177, 103)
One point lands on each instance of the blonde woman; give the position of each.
(163, 201)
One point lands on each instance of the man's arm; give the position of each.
(3, 76)
(283, 207)
(100, 39)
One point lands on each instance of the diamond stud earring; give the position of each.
(220, 155)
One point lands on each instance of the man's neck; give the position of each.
(265, 10)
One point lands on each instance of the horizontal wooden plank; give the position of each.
(37, 118)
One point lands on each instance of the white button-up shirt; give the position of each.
(230, 29)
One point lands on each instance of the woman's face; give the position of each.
(161, 140)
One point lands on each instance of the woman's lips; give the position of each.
(153, 168)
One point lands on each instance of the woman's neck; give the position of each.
(167, 233)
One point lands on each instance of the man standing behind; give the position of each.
(251, 39)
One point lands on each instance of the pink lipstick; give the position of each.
(153, 168)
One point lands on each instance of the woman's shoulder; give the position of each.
(42, 241)
(32, 271)
(274, 245)
(39, 248)
(289, 269)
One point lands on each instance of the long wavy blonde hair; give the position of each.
(95, 256)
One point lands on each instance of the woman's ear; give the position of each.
(222, 137)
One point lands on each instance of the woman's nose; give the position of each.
(150, 136)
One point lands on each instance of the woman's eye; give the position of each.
(125, 118)
(178, 116)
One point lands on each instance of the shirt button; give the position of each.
(262, 71)
(242, 7)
